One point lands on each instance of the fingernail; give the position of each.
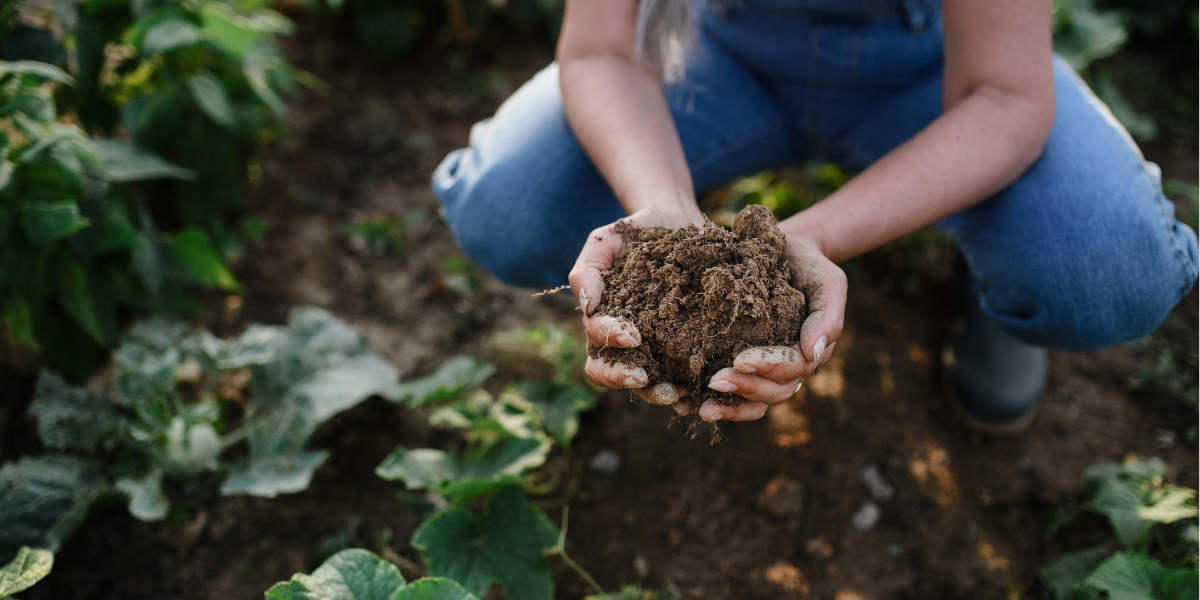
(715, 417)
(819, 349)
(584, 301)
(745, 369)
(722, 385)
(627, 341)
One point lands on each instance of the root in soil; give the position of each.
(699, 296)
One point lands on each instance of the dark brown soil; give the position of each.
(700, 296)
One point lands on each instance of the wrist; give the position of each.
(797, 234)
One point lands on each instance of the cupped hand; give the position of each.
(603, 246)
(766, 376)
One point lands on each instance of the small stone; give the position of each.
(818, 547)
(1165, 438)
(789, 578)
(877, 485)
(848, 595)
(641, 566)
(866, 516)
(605, 461)
(783, 497)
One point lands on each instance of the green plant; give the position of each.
(1084, 34)
(506, 435)
(359, 575)
(75, 248)
(387, 235)
(178, 400)
(27, 568)
(1155, 525)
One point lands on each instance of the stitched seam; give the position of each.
(1168, 223)
(739, 143)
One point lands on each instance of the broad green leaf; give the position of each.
(455, 376)
(257, 78)
(273, 475)
(148, 264)
(1071, 570)
(435, 588)
(258, 345)
(505, 545)
(73, 417)
(193, 260)
(114, 231)
(1170, 504)
(40, 69)
(210, 95)
(1139, 125)
(76, 297)
(19, 321)
(342, 386)
(43, 499)
(27, 568)
(47, 222)
(1128, 576)
(353, 574)
(488, 417)
(1181, 584)
(230, 31)
(127, 162)
(552, 344)
(1121, 501)
(558, 405)
(168, 35)
(146, 499)
(463, 478)
(6, 172)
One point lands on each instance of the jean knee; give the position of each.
(1116, 305)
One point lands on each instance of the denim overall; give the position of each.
(1082, 252)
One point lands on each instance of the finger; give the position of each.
(663, 393)
(753, 387)
(601, 247)
(712, 410)
(684, 406)
(606, 330)
(615, 375)
(777, 363)
(826, 286)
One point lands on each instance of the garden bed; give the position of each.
(771, 512)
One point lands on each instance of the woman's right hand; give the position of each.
(603, 246)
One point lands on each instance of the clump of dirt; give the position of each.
(701, 295)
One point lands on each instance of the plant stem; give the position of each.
(562, 551)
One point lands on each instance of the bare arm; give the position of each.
(614, 103)
(999, 107)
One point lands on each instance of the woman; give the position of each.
(956, 116)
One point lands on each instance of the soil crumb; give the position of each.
(701, 295)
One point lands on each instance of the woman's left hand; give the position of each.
(769, 375)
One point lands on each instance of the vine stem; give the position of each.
(562, 552)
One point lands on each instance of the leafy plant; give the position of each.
(356, 574)
(1134, 499)
(27, 568)
(74, 249)
(171, 410)
(506, 435)
(387, 235)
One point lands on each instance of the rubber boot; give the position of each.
(992, 379)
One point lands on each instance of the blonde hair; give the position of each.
(666, 34)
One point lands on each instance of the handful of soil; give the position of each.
(699, 297)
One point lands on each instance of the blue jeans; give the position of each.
(1082, 252)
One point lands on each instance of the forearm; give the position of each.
(974, 150)
(616, 109)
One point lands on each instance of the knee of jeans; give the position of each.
(1084, 318)
(494, 229)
